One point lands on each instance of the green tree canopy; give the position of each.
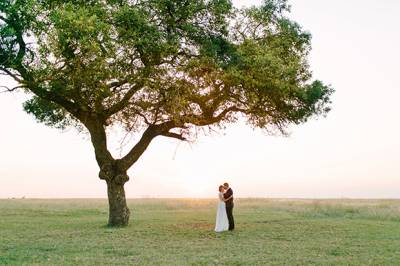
(161, 67)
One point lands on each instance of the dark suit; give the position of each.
(229, 208)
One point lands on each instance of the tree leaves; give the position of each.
(140, 63)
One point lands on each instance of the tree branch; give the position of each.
(13, 75)
(26, 79)
(163, 130)
(125, 100)
(149, 134)
(134, 154)
(71, 107)
(10, 90)
(99, 141)
(174, 135)
(209, 120)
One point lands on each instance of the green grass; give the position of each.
(180, 232)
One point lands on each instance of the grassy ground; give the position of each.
(180, 232)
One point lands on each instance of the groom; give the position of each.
(229, 205)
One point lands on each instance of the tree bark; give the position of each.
(119, 212)
(113, 171)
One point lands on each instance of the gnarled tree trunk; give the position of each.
(114, 171)
(115, 178)
(119, 211)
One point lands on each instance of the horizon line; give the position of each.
(200, 198)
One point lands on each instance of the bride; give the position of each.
(221, 223)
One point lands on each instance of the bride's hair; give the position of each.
(219, 189)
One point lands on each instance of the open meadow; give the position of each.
(180, 232)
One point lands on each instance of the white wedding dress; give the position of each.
(221, 223)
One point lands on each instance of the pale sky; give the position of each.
(354, 152)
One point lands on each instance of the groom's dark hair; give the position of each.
(226, 184)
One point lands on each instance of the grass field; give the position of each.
(180, 232)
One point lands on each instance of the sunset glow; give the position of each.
(353, 152)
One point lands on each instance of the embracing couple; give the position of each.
(224, 219)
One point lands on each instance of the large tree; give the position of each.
(160, 67)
